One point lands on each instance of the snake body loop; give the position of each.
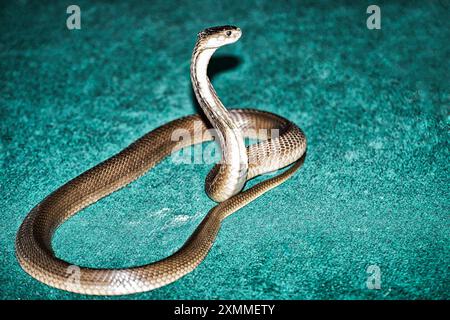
(224, 184)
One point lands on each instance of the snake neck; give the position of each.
(230, 178)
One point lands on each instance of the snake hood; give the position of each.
(216, 37)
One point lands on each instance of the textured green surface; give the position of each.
(374, 105)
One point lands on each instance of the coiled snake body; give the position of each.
(223, 184)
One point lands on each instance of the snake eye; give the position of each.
(228, 33)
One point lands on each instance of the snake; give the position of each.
(240, 162)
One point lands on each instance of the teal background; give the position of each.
(374, 105)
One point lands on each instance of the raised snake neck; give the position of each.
(224, 183)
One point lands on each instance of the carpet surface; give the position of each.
(374, 104)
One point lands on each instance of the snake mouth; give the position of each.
(237, 33)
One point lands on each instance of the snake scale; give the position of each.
(224, 184)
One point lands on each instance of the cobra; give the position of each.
(224, 184)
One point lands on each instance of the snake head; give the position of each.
(216, 37)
